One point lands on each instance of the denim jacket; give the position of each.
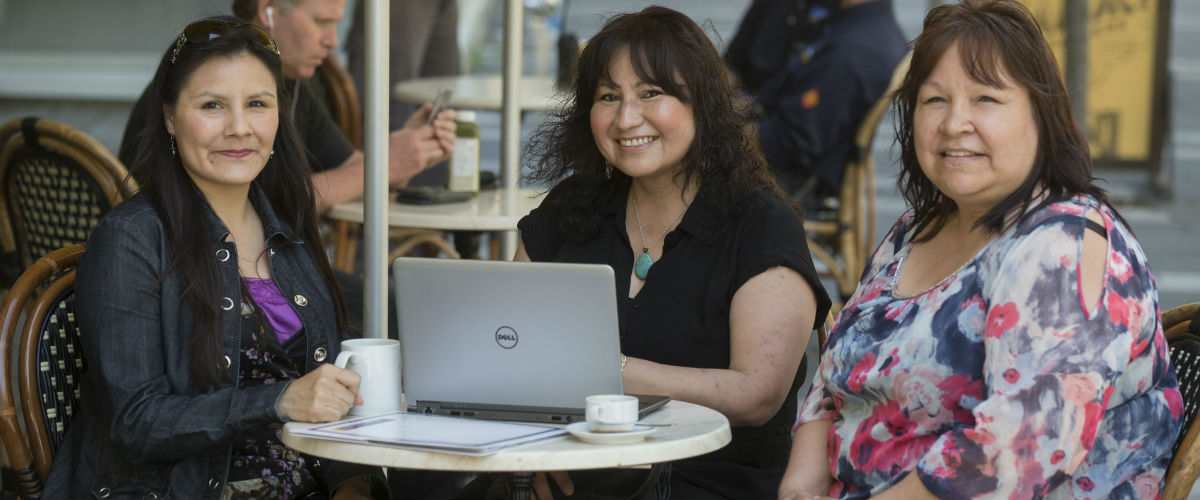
(145, 431)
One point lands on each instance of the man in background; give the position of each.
(423, 43)
(837, 62)
(306, 33)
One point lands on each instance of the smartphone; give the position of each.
(439, 103)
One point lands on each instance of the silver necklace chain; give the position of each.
(638, 217)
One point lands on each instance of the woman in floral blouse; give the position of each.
(1004, 341)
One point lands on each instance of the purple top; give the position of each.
(279, 314)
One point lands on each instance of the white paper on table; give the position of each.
(432, 432)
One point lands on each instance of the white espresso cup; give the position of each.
(611, 412)
(377, 362)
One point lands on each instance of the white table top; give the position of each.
(479, 91)
(491, 210)
(697, 430)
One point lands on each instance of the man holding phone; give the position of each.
(306, 33)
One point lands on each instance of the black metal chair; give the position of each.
(50, 365)
(55, 184)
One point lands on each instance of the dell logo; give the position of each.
(506, 337)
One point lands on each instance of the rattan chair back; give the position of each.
(843, 243)
(1183, 340)
(55, 184)
(50, 366)
(341, 98)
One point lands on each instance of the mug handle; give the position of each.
(344, 357)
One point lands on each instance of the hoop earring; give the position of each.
(173, 153)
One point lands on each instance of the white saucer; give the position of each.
(581, 431)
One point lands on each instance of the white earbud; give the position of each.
(270, 19)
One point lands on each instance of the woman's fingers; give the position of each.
(322, 395)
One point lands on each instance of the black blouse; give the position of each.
(681, 314)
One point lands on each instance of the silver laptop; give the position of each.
(507, 340)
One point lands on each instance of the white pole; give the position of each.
(375, 184)
(510, 113)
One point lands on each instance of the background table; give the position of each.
(491, 210)
(479, 91)
(486, 92)
(697, 430)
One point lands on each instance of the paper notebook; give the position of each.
(432, 433)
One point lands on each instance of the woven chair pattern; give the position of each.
(57, 203)
(55, 184)
(1184, 345)
(60, 365)
(37, 321)
(1185, 356)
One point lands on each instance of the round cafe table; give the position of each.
(689, 430)
(491, 210)
(486, 92)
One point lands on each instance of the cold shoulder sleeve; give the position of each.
(1064, 385)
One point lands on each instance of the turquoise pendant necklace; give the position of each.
(641, 265)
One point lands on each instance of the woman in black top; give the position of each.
(658, 178)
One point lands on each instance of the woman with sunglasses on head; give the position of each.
(1004, 340)
(208, 306)
(657, 177)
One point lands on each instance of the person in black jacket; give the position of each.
(211, 315)
(837, 66)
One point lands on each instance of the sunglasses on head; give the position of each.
(209, 29)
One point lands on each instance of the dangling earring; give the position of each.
(271, 155)
(173, 154)
(607, 170)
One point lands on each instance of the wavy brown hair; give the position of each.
(995, 38)
(668, 50)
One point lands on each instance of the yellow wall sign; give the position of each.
(1122, 37)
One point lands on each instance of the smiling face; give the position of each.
(306, 33)
(640, 130)
(975, 142)
(224, 122)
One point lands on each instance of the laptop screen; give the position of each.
(506, 333)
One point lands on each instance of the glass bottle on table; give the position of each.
(464, 163)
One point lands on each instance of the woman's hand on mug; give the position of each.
(323, 395)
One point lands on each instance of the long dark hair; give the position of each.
(994, 38)
(190, 251)
(671, 51)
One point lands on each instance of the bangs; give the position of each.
(651, 59)
(981, 58)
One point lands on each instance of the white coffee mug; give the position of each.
(377, 362)
(611, 412)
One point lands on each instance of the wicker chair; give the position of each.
(56, 185)
(50, 365)
(342, 99)
(1183, 337)
(844, 242)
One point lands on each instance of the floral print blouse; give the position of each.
(997, 382)
(261, 466)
